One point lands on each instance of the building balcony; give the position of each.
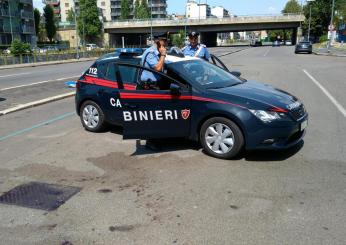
(7, 29)
(159, 12)
(160, 5)
(116, 6)
(53, 2)
(28, 30)
(26, 1)
(27, 14)
(6, 13)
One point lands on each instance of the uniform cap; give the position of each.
(193, 34)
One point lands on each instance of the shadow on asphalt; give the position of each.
(164, 145)
(178, 144)
(2, 99)
(272, 155)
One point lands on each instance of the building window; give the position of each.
(103, 4)
(67, 5)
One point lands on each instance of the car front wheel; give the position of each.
(221, 138)
(92, 116)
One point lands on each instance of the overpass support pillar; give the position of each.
(294, 36)
(106, 39)
(209, 39)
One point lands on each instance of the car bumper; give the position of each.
(276, 138)
(303, 49)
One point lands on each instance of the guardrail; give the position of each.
(206, 21)
(45, 57)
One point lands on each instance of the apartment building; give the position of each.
(16, 21)
(110, 10)
(196, 10)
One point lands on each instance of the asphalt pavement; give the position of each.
(131, 195)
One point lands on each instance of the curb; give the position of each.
(36, 103)
(46, 63)
(329, 54)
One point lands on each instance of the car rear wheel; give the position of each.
(221, 138)
(92, 116)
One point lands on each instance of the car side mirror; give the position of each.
(236, 73)
(175, 89)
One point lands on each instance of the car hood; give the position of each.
(254, 95)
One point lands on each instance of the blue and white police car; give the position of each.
(193, 99)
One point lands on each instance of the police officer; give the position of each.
(196, 49)
(154, 58)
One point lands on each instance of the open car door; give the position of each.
(216, 61)
(162, 111)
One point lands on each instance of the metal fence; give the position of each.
(46, 57)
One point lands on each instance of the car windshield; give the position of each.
(204, 74)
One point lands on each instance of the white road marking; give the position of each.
(13, 75)
(36, 103)
(326, 92)
(266, 53)
(35, 83)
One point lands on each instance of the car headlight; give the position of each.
(266, 116)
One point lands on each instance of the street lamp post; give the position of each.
(331, 27)
(76, 26)
(9, 9)
(310, 2)
(151, 22)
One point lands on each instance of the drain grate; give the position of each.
(39, 195)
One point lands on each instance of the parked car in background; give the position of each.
(6, 51)
(91, 46)
(276, 43)
(304, 47)
(288, 42)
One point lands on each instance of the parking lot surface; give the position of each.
(178, 195)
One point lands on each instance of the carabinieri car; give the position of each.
(194, 99)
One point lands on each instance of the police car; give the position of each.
(194, 99)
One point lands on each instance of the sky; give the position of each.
(238, 7)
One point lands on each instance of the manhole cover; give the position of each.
(39, 195)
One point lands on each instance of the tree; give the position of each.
(70, 16)
(275, 35)
(292, 7)
(320, 16)
(125, 10)
(89, 24)
(136, 9)
(50, 22)
(143, 11)
(18, 48)
(178, 40)
(37, 17)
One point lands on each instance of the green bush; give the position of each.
(178, 40)
(323, 38)
(18, 47)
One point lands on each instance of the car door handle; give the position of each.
(130, 106)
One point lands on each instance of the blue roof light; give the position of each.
(136, 51)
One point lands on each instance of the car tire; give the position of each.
(92, 116)
(216, 142)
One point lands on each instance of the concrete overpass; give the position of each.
(135, 31)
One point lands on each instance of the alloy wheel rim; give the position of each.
(219, 138)
(91, 116)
